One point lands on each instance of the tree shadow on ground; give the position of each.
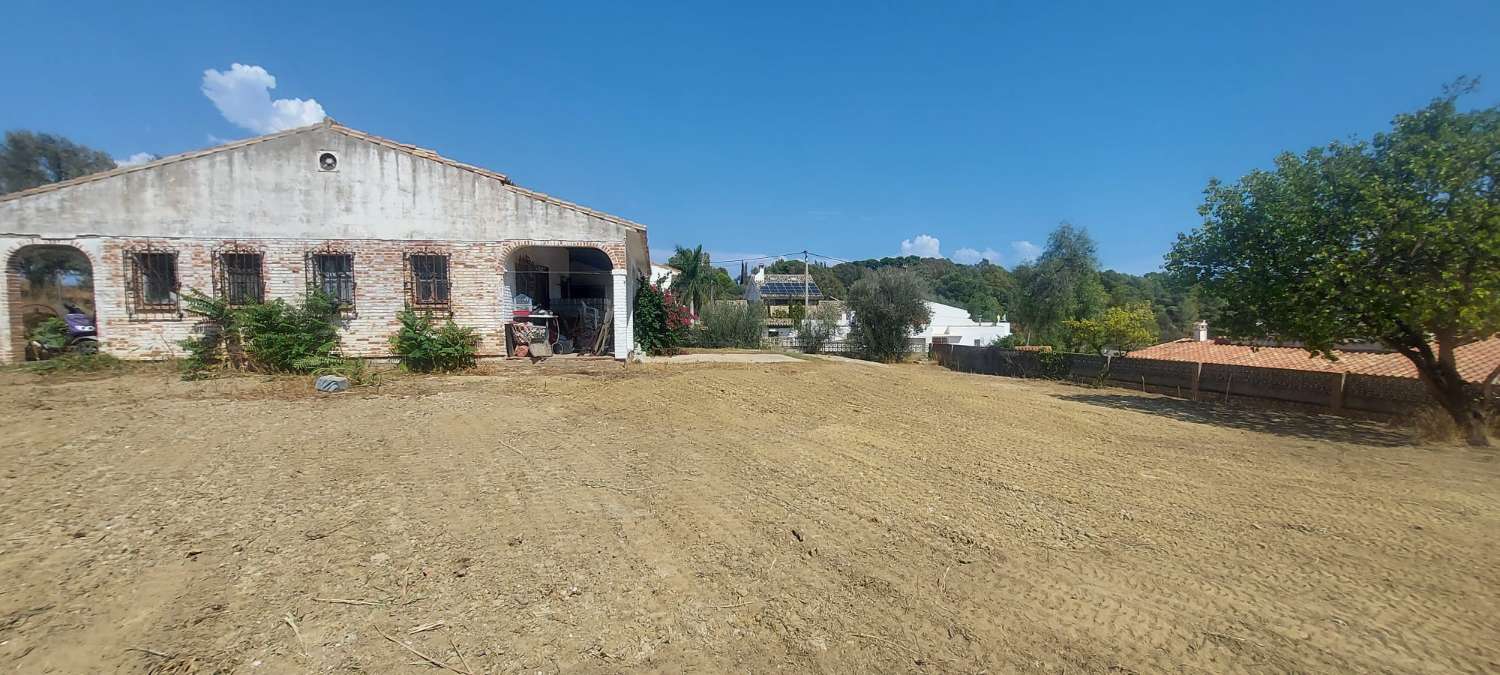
(1270, 420)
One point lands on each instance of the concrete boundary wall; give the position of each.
(1331, 391)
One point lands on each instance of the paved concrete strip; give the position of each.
(845, 359)
(720, 358)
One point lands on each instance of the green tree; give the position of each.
(983, 307)
(997, 280)
(722, 287)
(888, 305)
(1062, 284)
(695, 276)
(1116, 329)
(1395, 239)
(29, 159)
(961, 286)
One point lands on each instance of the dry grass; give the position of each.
(1432, 424)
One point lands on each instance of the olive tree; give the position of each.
(1395, 239)
(1063, 284)
(888, 304)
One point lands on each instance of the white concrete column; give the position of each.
(624, 340)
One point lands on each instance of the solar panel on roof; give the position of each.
(787, 288)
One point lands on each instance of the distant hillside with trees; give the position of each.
(1065, 283)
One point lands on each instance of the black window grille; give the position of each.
(154, 280)
(429, 279)
(242, 280)
(333, 274)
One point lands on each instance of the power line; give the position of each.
(759, 257)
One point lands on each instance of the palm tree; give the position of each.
(694, 275)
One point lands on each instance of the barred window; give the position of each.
(241, 276)
(333, 274)
(429, 279)
(154, 280)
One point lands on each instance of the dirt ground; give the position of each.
(814, 516)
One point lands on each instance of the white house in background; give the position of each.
(663, 274)
(950, 325)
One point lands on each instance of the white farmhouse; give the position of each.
(952, 325)
(378, 225)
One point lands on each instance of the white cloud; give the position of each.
(969, 256)
(137, 158)
(1025, 251)
(243, 95)
(922, 245)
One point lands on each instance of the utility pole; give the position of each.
(806, 276)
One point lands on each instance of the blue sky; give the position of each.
(760, 128)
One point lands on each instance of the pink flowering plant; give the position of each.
(661, 322)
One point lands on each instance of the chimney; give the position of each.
(1200, 331)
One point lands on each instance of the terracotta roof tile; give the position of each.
(1475, 360)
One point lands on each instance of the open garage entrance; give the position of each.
(566, 292)
(45, 284)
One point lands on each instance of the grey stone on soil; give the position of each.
(332, 383)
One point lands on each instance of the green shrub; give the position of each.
(425, 347)
(1054, 365)
(276, 337)
(731, 324)
(661, 323)
(286, 338)
(358, 371)
(820, 328)
(1007, 342)
(51, 333)
(796, 312)
(76, 363)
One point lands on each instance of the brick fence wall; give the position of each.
(1335, 392)
(476, 274)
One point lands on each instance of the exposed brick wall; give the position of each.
(12, 335)
(476, 274)
(615, 251)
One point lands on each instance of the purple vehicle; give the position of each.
(82, 335)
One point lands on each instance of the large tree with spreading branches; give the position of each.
(1394, 239)
(29, 159)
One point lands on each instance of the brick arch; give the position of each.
(16, 307)
(615, 251)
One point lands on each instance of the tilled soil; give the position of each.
(814, 516)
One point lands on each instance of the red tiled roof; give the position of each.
(1476, 360)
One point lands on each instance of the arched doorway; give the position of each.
(568, 290)
(45, 281)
